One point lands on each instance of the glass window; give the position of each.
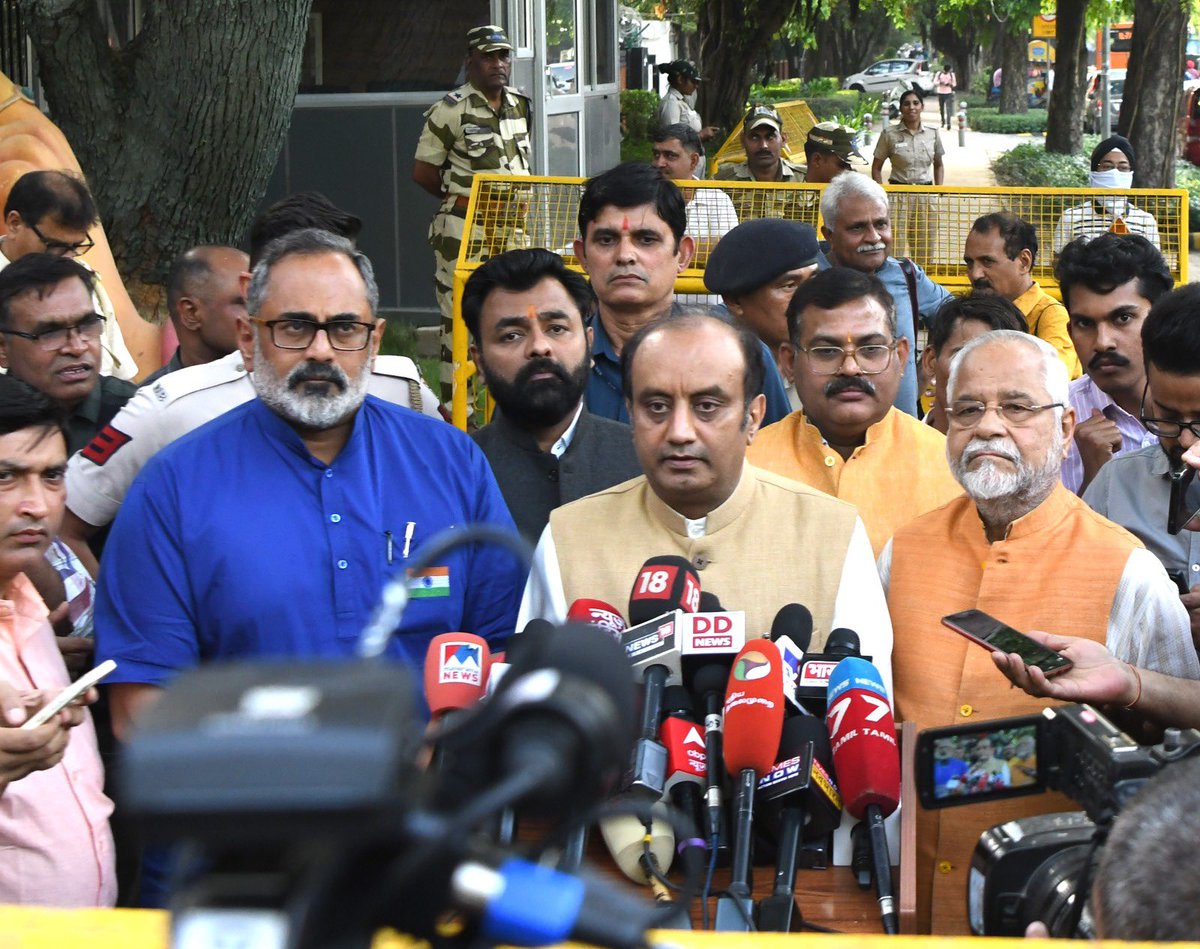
(561, 78)
(562, 144)
(604, 31)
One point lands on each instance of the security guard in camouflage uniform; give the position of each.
(482, 126)
(762, 140)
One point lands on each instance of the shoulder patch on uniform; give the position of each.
(453, 98)
(104, 445)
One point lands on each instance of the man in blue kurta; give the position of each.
(270, 531)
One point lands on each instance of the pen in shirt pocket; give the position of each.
(390, 540)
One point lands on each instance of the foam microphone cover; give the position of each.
(597, 613)
(795, 622)
(456, 671)
(663, 584)
(842, 642)
(862, 733)
(754, 709)
(624, 835)
(710, 603)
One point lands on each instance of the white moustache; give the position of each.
(871, 248)
(992, 446)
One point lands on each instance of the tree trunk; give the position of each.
(1014, 52)
(734, 39)
(961, 46)
(1150, 105)
(1064, 121)
(178, 131)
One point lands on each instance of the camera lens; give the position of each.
(1053, 889)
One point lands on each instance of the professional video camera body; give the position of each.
(1040, 868)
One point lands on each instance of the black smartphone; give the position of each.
(1179, 578)
(1185, 497)
(965, 764)
(992, 634)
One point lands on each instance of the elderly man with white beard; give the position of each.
(1020, 547)
(271, 530)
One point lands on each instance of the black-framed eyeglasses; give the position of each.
(88, 329)
(346, 336)
(872, 359)
(966, 413)
(1165, 427)
(61, 248)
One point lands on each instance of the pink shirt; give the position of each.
(56, 848)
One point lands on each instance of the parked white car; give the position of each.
(883, 75)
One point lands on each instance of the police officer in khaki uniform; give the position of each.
(763, 140)
(482, 126)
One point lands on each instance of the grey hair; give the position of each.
(1054, 372)
(1145, 886)
(308, 241)
(849, 186)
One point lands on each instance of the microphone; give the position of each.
(663, 587)
(791, 632)
(813, 682)
(687, 762)
(456, 672)
(753, 726)
(866, 757)
(624, 836)
(597, 613)
(800, 802)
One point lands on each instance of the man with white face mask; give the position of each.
(1112, 167)
(1021, 547)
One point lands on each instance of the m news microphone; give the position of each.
(791, 632)
(867, 761)
(664, 587)
(597, 613)
(456, 672)
(753, 726)
(813, 682)
(799, 802)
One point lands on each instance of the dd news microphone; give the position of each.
(867, 761)
(597, 613)
(813, 683)
(791, 632)
(799, 801)
(664, 586)
(753, 726)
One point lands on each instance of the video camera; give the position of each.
(1036, 868)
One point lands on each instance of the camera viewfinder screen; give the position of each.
(984, 763)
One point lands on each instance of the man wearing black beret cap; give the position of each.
(756, 268)
(1113, 162)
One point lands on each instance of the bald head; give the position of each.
(205, 298)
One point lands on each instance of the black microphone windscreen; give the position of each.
(711, 678)
(796, 622)
(842, 642)
(677, 699)
(663, 584)
(710, 603)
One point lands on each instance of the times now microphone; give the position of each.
(813, 681)
(456, 672)
(753, 726)
(791, 632)
(800, 802)
(664, 587)
(867, 760)
(597, 613)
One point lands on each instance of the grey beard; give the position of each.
(308, 410)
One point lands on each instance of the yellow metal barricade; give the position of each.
(929, 224)
(797, 117)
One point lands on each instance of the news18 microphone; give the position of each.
(867, 761)
(753, 726)
(597, 613)
(663, 586)
(800, 801)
